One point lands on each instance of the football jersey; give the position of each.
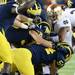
(64, 22)
(18, 37)
(41, 54)
(6, 17)
(70, 13)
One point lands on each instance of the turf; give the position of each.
(69, 68)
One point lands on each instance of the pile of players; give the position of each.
(32, 33)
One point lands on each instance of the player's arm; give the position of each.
(39, 39)
(20, 20)
(62, 33)
(23, 18)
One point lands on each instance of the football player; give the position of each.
(6, 19)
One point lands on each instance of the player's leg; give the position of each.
(5, 49)
(5, 54)
(22, 60)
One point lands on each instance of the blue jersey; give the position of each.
(6, 17)
(41, 3)
(43, 13)
(39, 54)
(73, 1)
(18, 37)
(43, 55)
(73, 5)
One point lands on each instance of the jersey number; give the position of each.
(49, 50)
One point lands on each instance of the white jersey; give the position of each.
(70, 14)
(64, 22)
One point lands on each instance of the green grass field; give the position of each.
(69, 68)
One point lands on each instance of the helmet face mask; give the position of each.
(58, 10)
(55, 11)
(51, 13)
